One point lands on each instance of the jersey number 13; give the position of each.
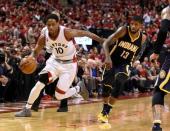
(124, 54)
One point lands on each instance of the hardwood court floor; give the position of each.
(127, 115)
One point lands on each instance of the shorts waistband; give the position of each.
(65, 61)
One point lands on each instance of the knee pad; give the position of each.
(44, 78)
(158, 97)
(106, 90)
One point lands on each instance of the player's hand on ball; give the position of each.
(28, 65)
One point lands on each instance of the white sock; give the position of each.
(35, 92)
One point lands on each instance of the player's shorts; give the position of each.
(163, 79)
(65, 71)
(108, 78)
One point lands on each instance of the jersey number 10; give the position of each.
(59, 50)
(124, 54)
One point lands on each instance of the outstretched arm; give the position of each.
(71, 33)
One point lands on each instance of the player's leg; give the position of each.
(162, 87)
(43, 80)
(63, 89)
(64, 102)
(107, 85)
(66, 78)
(35, 105)
(157, 107)
(63, 105)
(47, 75)
(120, 78)
(49, 90)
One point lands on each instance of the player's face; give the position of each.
(135, 26)
(52, 26)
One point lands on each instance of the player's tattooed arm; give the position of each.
(71, 33)
(39, 46)
(143, 47)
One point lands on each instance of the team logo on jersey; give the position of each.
(162, 74)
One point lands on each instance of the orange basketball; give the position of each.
(28, 65)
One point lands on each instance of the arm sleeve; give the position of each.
(162, 34)
(139, 55)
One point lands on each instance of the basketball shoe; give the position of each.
(103, 117)
(24, 113)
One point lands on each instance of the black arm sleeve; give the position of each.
(162, 34)
(139, 55)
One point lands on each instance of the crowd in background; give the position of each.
(21, 23)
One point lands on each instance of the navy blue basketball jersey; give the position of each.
(126, 48)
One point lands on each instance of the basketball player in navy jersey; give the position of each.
(162, 85)
(128, 44)
(61, 64)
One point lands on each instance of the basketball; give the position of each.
(28, 65)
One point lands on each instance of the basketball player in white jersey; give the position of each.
(62, 63)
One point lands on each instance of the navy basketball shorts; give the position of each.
(163, 79)
(109, 78)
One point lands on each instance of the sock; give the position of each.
(109, 107)
(105, 105)
(157, 123)
(28, 105)
(35, 92)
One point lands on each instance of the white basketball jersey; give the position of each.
(60, 48)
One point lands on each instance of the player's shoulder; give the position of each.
(122, 31)
(165, 13)
(123, 28)
(165, 9)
